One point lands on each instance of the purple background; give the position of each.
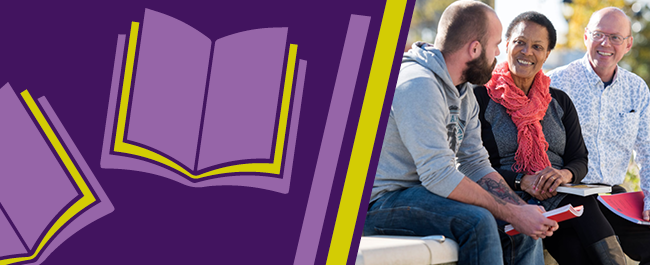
(65, 50)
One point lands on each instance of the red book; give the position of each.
(628, 205)
(565, 212)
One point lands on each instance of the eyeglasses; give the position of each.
(613, 38)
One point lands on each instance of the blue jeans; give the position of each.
(417, 212)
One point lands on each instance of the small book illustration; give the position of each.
(583, 189)
(204, 113)
(560, 214)
(47, 191)
(627, 205)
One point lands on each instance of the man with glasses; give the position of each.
(613, 106)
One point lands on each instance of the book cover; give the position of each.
(47, 191)
(583, 189)
(627, 205)
(560, 214)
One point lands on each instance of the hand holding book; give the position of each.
(559, 214)
(627, 205)
(528, 218)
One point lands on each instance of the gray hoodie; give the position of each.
(432, 127)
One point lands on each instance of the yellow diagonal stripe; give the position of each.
(366, 132)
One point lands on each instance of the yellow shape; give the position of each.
(122, 147)
(87, 199)
(366, 132)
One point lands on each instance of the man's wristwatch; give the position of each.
(518, 181)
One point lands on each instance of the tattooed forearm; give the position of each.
(498, 200)
(500, 191)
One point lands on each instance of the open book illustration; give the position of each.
(47, 191)
(560, 214)
(627, 205)
(583, 189)
(204, 113)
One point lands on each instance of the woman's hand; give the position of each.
(550, 178)
(528, 185)
(544, 183)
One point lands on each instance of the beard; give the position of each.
(478, 71)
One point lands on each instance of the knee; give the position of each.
(483, 217)
(482, 222)
(477, 226)
(528, 243)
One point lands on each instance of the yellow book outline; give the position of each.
(87, 199)
(126, 148)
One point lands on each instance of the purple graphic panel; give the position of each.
(243, 97)
(34, 188)
(170, 80)
(9, 242)
(66, 51)
(328, 157)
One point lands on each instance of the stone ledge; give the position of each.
(396, 250)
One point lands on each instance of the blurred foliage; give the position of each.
(631, 182)
(637, 60)
(426, 15)
(578, 14)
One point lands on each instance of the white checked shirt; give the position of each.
(614, 121)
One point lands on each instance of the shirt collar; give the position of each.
(591, 75)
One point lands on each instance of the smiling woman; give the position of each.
(527, 50)
(518, 104)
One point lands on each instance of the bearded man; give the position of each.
(433, 125)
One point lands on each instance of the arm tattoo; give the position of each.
(500, 191)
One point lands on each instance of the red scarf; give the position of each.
(526, 113)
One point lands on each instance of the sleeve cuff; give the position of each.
(445, 186)
(479, 174)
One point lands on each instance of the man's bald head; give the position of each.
(615, 12)
(603, 54)
(462, 22)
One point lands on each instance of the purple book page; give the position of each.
(34, 187)
(9, 242)
(90, 214)
(117, 161)
(170, 81)
(243, 96)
